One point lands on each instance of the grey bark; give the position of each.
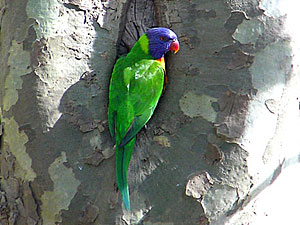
(219, 136)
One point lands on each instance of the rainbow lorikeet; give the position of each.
(135, 87)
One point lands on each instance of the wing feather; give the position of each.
(144, 84)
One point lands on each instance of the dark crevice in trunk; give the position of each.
(138, 17)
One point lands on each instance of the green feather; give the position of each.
(135, 88)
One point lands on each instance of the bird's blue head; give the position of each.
(162, 40)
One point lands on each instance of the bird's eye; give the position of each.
(162, 38)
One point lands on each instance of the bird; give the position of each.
(136, 85)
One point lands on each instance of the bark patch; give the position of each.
(162, 141)
(89, 215)
(213, 154)
(194, 105)
(198, 185)
(231, 117)
(240, 60)
(19, 63)
(16, 141)
(64, 189)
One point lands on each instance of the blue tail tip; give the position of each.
(127, 206)
(125, 198)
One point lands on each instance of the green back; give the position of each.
(135, 88)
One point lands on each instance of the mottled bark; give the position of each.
(222, 132)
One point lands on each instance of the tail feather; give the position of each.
(125, 197)
(123, 156)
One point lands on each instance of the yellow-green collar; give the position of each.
(144, 43)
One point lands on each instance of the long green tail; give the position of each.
(123, 156)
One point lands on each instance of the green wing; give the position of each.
(133, 98)
(133, 95)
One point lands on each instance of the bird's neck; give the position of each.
(140, 50)
(143, 43)
(162, 62)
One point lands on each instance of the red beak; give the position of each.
(174, 46)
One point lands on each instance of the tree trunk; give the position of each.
(223, 131)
